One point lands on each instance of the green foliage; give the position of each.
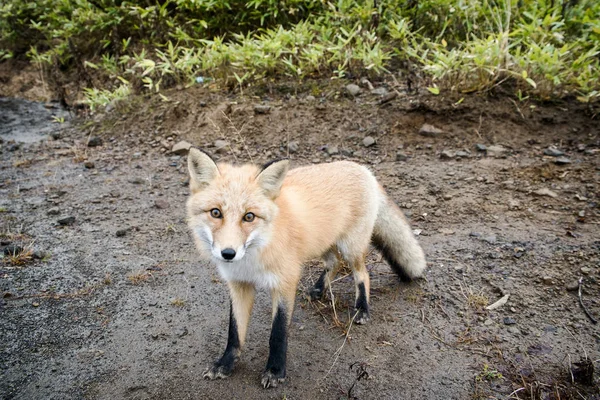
(546, 48)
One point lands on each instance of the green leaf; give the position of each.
(434, 90)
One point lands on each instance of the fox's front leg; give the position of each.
(283, 306)
(242, 300)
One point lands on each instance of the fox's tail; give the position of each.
(393, 237)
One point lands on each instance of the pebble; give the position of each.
(490, 239)
(545, 192)
(400, 156)
(66, 221)
(430, 131)
(221, 146)
(514, 330)
(181, 148)
(553, 152)
(262, 109)
(53, 211)
(12, 250)
(347, 152)
(446, 155)
(475, 234)
(161, 204)
(572, 286)
(585, 270)
(380, 91)
(480, 147)
(352, 89)
(463, 154)
(293, 147)
(89, 164)
(368, 141)
(332, 150)
(121, 232)
(548, 280)
(509, 321)
(488, 322)
(136, 181)
(496, 151)
(95, 142)
(562, 161)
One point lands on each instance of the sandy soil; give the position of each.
(116, 304)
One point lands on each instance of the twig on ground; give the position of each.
(338, 352)
(585, 310)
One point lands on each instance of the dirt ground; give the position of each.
(114, 303)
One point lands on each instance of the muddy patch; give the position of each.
(24, 121)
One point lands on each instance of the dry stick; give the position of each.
(221, 134)
(594, 321)
(239, 133)
(339, 351)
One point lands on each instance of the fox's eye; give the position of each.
(216, 213)
(249, 217)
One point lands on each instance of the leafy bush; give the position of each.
(547, 48)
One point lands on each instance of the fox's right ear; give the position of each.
(202, 169)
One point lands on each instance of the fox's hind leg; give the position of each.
(331, 267)
(354, 253)
(242, 300)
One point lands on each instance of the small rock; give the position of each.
(352, 89)
(262, 109)
(463, 154)
(13, 250)
(446, 155)
(380, 91)
(496, 151)
(122, 232)
(514, 204)
(388, 97)
(38, 255)
(514, 330)
(161, 204)
(545, 192)
(553, 152)
(181, 148)
(488, 322)
(430, 131)
(310, 98)
(481, 147)
(490, 239)
(475, 234)
(89, 164)
(66, 221)
(221, 146)
(332, 150)
(509, 321)
(585, 270)
(95, 141)
(182, 332)
(400, 156)
(137, 155)
(53, 211)
(548, 280)
(562, 161)
(293, 147)
(136, 181)
(573, 286)
(347, 152)
(368, 141)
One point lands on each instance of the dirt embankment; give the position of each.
(107, 298)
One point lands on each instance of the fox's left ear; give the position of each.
(202, 169)
(271, 177)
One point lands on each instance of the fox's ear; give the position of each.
(271, 177)
(202, 169)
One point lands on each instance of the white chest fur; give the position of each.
(248, 269)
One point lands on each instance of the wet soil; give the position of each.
(114, 303)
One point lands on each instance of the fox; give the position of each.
(258, 225)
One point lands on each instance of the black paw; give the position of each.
(315, 293)
(362, 316)
(217, 371)
(271, 378)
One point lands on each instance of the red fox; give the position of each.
(258, 225)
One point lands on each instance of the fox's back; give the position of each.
(328, 200)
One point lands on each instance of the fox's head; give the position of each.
(231, 208)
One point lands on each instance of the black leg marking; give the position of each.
(275, 370)
(317, 291)
(224, 366)
(362, 305)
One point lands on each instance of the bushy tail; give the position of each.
(393, 237)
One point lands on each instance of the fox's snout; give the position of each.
(228, 254)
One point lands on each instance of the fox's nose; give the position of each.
(228, 254)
